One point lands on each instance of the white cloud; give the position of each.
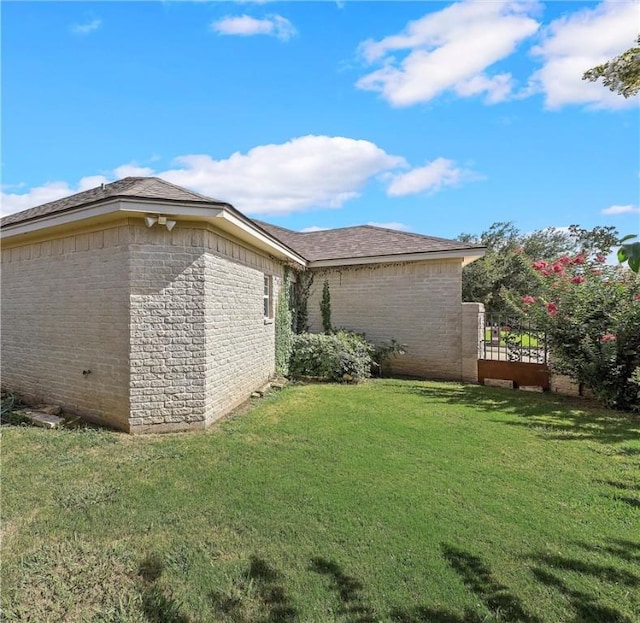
(308, 230)
(15, 202)
(392, 225)
(245, 25)
(431, 177)
(304, 173)
(87, 27)
(450, 49)
(626, 209)
(132, 170)
(578, 41)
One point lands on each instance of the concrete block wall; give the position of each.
(65, 309)
(417, 304)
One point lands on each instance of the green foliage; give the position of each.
(299, 301)
(325, 307)
(338, 356)
(630, 252)
(621, 74)
(505, 270)
(591, 314)
(283, 330)
(384, 353)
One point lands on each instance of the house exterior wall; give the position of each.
(199, 341)
(240, 343)
(65, 309)
(170, 324)
(417, 304)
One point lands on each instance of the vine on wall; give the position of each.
(284, 332)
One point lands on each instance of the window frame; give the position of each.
(267, 298)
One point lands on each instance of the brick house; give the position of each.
(148, 307)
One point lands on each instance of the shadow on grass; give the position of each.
(555, 417)
(158, 604)
(259, 596)
(348, 588)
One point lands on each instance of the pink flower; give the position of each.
(539, 265)
(565, 259)
(577, 279)
(601, 258)
(552, 309)
(637, 297)
(557, 267)
(530, 300)
(608, 337)
(579, 259)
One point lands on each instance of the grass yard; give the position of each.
(525, 340)
(394, 500)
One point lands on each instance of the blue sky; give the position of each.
(439, 118)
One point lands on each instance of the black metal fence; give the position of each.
(512, 339)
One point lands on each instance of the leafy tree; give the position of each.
(506, 270)
(621, 74)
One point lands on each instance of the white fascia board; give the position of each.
(261, 237)
(141, 208)
(466, 255)
(56, 219)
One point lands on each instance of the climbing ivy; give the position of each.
(301, 292)
(284, 332)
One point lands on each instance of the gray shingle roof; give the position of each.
(360, 241)
(331, 244)
(131, 187)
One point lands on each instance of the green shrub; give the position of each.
(591, 315)
(342, 355)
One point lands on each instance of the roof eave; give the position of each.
(221, 215)
(465, 255)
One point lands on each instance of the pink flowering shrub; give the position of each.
(591, 314)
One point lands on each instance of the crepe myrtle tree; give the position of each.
(591, 314)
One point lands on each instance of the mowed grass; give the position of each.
(390, 501)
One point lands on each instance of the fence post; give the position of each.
(472, 339)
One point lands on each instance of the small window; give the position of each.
(268, 296)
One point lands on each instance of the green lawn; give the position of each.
(525, 340)
(391, 501)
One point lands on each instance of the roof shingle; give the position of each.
(132, 187)
(360, 241)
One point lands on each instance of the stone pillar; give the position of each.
(472, 336)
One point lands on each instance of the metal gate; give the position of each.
(513, 349)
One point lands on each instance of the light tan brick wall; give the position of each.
(170, 324)
(417, 304)
(240, 344)
(199, 342)
(65, 308)
(472, 336)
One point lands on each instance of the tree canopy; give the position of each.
(621, 74)
(506, 269)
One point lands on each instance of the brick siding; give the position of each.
(417, 304)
